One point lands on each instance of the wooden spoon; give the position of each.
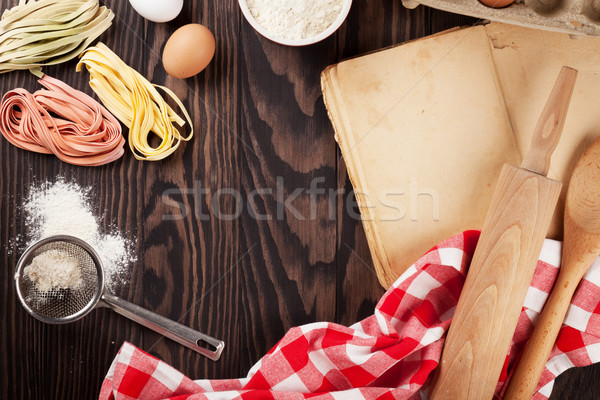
(580, 248)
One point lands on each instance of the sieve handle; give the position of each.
(184, 335)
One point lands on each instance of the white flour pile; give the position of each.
(54, 269)
(295, 19)
(62, 208)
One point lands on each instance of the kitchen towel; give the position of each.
(389, 355)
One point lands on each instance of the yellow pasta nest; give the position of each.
(136, 103)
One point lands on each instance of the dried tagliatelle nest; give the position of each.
(136, 103)
(34, 34)
(63, 121)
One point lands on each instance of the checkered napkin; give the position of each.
(389, 355)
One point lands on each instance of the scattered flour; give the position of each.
(63, 208)
(295, 19)
(54, 269)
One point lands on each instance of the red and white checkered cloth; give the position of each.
(389, 355)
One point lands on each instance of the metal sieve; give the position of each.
(60, 306)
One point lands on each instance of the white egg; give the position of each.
(157, 10)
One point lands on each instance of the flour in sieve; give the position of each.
(54, 269)
(63, 208)
(295, 19)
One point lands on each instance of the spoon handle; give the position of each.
(533, 360)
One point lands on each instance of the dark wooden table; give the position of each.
(261, 132)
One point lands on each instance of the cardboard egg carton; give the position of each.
(578, 17)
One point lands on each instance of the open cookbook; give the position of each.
(425, 127)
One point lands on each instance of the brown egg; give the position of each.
(497, 3)
(188, 51)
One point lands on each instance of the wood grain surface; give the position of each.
(263, 134)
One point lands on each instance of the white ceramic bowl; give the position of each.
(296, 42)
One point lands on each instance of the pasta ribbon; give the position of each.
(34, 34)
(136, 103)
(63, 121)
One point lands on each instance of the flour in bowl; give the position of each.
(295, 19)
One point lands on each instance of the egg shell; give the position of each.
(188, 51)
(157, 10)
(497, 3)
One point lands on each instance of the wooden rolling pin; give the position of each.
(580, 248)
(504, 261)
